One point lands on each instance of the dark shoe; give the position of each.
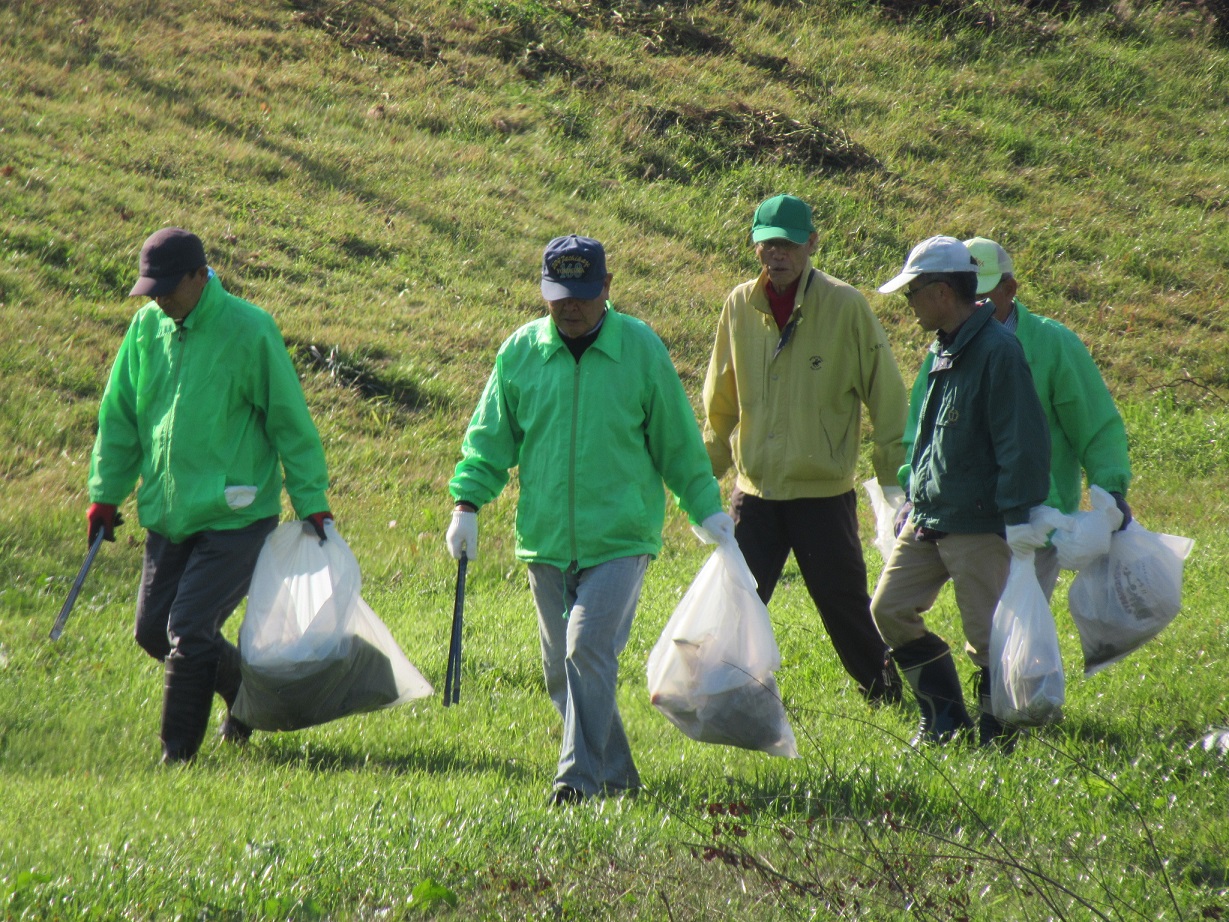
(234, 731)
(887, 688)
(928, 668)
(226, 685)
(563, 796)
(990, 730)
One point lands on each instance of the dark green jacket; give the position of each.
(982, 456)
(1086, 430)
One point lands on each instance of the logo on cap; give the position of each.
(570, 266)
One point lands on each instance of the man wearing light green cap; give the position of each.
(797, 356)
(1086, 430)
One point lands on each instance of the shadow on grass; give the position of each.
(332, 757)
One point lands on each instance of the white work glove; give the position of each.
(1026, 538)
(462, 534)
(895, 496)
(718, 528)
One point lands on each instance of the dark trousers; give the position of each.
(189, 589)
(823, 534)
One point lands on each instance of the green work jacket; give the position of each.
(982, 456)
(592, 441)
(1086, 430)
(201, 412)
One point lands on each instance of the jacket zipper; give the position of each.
(572, 463)
(180, 338)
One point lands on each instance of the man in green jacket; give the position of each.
(980, 465)
(1086, 430)
(797, 356)
(587, 405)
(205, 409)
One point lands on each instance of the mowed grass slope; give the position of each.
(382, 178)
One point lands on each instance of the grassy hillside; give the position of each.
(382, 177)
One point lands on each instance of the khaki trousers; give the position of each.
(915, 572)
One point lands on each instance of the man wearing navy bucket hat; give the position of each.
(586, 403)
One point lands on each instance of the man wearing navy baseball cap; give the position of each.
(205, 409)
(586, 403)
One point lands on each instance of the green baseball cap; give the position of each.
(782, 216)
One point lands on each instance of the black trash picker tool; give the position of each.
(58, 628)
(452, 676)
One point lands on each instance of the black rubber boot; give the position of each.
(928, 668)
(187, 699)
(887, 688)
(233, 730)
(990, 730)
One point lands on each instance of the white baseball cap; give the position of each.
(936, 254)
(992, 262)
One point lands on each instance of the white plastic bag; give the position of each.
(1027, 687)
(711, 672)
(1125, 598)
(1085, 536)
(311, 648)
(885, 516)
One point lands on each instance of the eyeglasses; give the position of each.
(779, 245)
(913, 291)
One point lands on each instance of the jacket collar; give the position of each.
(970, 328)
(548, 341)
(207, 307)
(759, 294)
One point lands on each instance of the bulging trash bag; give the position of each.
(311, 649)
(1126, 597)
(1085, 536)
(1027, 686)
(711, 672)
(885, 517)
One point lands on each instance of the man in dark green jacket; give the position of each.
(980, 464)
(205, 409)
(1086, 431)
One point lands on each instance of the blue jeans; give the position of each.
(584, 619)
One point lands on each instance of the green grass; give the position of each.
(382, 177)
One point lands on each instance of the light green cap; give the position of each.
(992, 263)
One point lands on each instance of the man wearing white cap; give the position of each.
(1086, 430)
(980, 464)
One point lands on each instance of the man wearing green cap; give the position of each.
(797, 355)
(1086, 430)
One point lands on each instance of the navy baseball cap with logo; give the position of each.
(167, 256)
(573, 267)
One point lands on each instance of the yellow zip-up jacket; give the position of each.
(784, 407)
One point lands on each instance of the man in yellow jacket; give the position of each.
(797, 356)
